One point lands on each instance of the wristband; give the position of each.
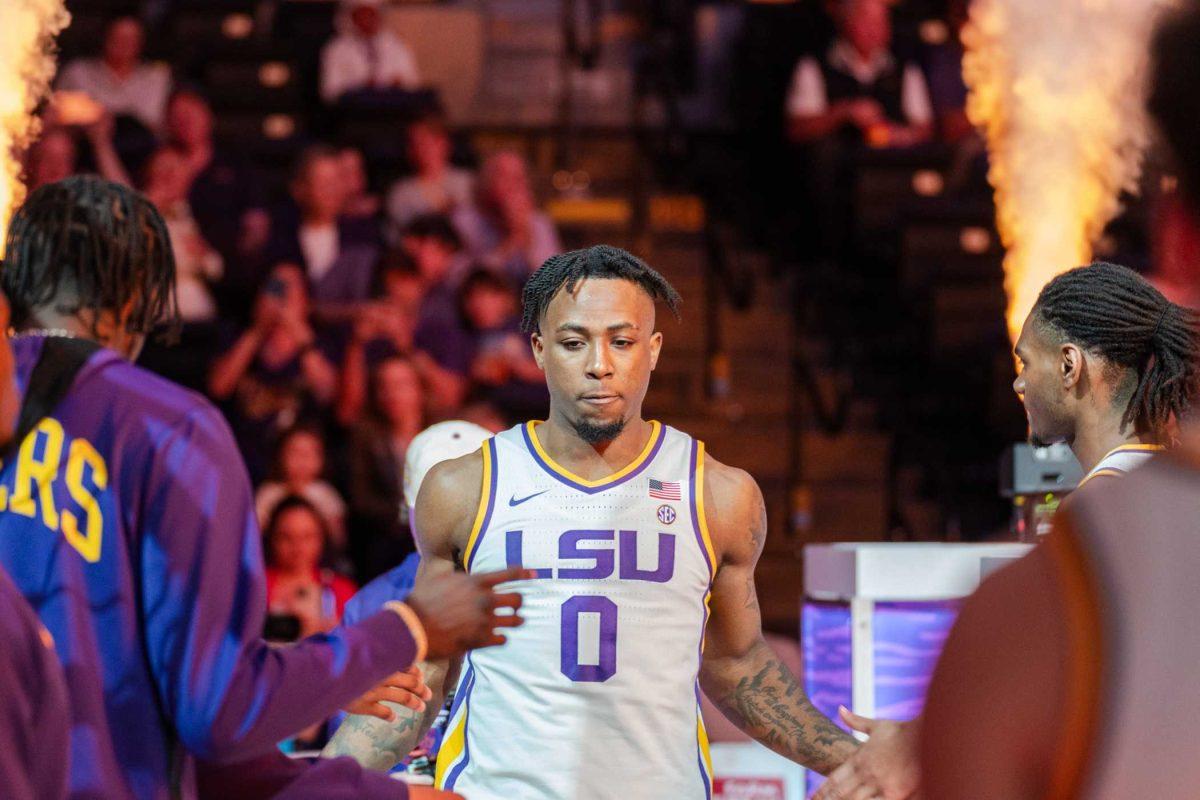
(415, 627)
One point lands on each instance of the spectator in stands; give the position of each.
(197, 264)
(504, 230)
(436, 186)
(278, 371)
(55, 155)
(859, 88)
(51, 158)
(119, 80)
(856, 96)
(380, 536)
(364, 54)
(395, 325)
(338, 260)
(298, 470)
(503, 371)
(226, 199)
(298, 584)
(198, 269)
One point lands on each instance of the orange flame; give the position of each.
(27, 29)
(1057, 88)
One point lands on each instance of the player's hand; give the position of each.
(405, 688)
(885, 767)
(429, 793)
(460, 611)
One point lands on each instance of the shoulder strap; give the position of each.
(51, 378)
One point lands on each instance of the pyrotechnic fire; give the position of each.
(1057, 87)
(27, 29)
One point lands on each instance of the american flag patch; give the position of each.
(664, 490)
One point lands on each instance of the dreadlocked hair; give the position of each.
(87, 243)
(1113, 311)
(566, 270)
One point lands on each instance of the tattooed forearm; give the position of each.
(381, 745)
(374, 743)
(759, 694)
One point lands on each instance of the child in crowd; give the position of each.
(299, 466)
(503, 371)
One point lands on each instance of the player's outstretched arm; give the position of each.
(740, 673)
(443, 517)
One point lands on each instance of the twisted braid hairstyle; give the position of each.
(599, 261)
(1113, 312)
(88, 243)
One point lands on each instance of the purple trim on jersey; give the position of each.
(462, 697)
(491, 505)
(662, 436)
(694, 462)
(699, 752)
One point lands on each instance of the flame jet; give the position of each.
(27, 31)
(1057, 87)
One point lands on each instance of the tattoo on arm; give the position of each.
(760, 695)
(381, 745)
(374, 743)
(758, 535)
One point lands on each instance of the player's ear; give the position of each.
(538, 347)
(1070, 365)
(656, 342)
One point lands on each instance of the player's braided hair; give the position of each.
(1113, 311)
(599, 261)
(88, 243)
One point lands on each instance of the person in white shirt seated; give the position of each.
(365, 55)
(119, 80)
(436, 186)
(504, 231)
(338, 258)
(859, 87)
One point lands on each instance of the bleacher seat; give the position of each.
(253, 84)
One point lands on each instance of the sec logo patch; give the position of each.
(666, 515)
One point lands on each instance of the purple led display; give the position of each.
(907, 638)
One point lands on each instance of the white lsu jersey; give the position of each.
(596, 696)
(1121, 460)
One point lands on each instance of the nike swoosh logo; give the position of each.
(513, 501)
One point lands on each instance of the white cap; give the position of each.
(435, 444)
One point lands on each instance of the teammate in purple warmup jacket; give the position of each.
(34, 720)
(129, 525)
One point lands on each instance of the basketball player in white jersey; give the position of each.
(645, 549)
(1105, 361)
(1108, 366)
(1072, 674)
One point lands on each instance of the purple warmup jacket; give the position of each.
(127, 521)
(34, 720)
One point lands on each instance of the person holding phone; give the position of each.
(278, 371)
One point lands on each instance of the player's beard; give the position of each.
(596, 433)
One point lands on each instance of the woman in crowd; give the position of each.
(380, 534)
(299, 584)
